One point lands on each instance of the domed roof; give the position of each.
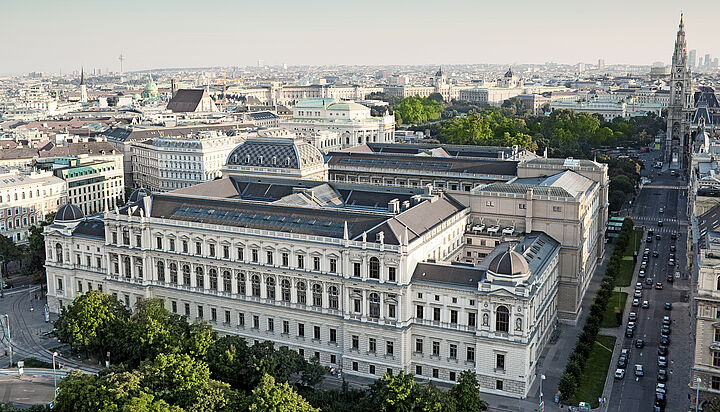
(509, 263)
(68, 213)
(138, 194)
(275, 152)
(150, 85)
(509, 73)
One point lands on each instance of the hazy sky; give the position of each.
(49, 35)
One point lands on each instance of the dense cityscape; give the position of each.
(428, 237)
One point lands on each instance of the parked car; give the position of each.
(632, 317)
(655, 253)
(666, 320)
(649, 281)
(660, 223)
(636, 302)
(670, 278)
(658, 285)
(662, 375)
(619, 373)
(638, 293)
(662, 210)
(672, 248)
(665, 330)
(645, 304)
(639, 343)
(629, 332)
(639, 370)
(648, 240)
(662, 350)
(638, 285)
(662, 362)
(668, 306)
(641, 273)
(673, 236)
(665, 339)
(671, 262)
(657, 237)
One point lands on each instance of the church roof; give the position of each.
(186, 100)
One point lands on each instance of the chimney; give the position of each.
(405, 205)
(416, 199)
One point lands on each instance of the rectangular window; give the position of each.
(226, 252)
(499, 385)
(436, 314)
(522, 206)
(419, 345)
(198, 248)
(357, 305)
(453, 351)
(333, 359)
(419, 311)
(271, 324)
(355, 366)
(391, 274)
(389, 348)
(470, 354)
(391, 311)
(256, 322)
(316, 263)
(172, 245)
(185, 246)
(471, 319)
(716, 358)
(500, 361)
(241, 319)
(254, 255)
(453, 316)
(715, 383)
(301, 262)
(159, 242)
(286, 327)
(436, 373)
(173, 305)
(372, 345)
(301, 329)
(557, 209)
(269, 257)
(80, 286)
(138, 240)
(285, 259)
(227, 316)
(371, 369)
(199, 311)
(356, 269)
(333, 335)
(316, 332)
(333, 265)
(490, 203)
(187, 309)
(452, 376)
(355, 341)
(436, 348)
(717, 335)
(212, 250)
(240, 254)
(418, 370)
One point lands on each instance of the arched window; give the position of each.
(139, 267)
(227, 282)
(199, 277)
(128, 267)
(301, 293)
(333, 300)
(255, 280)
(285, 286)
(374, 299)
(374, 268)
(502, 319)
(173, 273)
(161, 271)
(317, 294)
(241, 288)
(186, 275)
(270, 287)
(58, 253)
(717, 284)
(212, 273)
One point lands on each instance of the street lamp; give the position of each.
(697, 395)
(54, 376)
(542, 378)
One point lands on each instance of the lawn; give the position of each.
(592, 381)
(627, 267)
(609, 319)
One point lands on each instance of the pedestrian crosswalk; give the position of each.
(655, 219)
(671, 187)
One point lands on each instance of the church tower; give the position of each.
(83, 88)
(681, 109)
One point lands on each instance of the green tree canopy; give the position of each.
(270, 396)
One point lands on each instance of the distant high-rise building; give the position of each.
(601, 64)
(83, 88)
(707, 61)
(692, 57)
(261, 63)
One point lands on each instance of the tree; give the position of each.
(88, 321)
(712, 405)
(270, 396)
(34, 258)
(567, 386)
(8, 252)
(395, 392)
(466, 393)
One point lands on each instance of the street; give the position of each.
(638, 393)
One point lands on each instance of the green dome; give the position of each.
(151, 86)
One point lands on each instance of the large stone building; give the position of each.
(367, 279)
(680, 109)
(168, 163)
(277, 94)
(26, 198)
(350, 123)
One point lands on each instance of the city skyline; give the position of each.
(171, 35)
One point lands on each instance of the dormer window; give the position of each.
(274, 160)
(247, 159)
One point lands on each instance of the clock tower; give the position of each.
(681, 108)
